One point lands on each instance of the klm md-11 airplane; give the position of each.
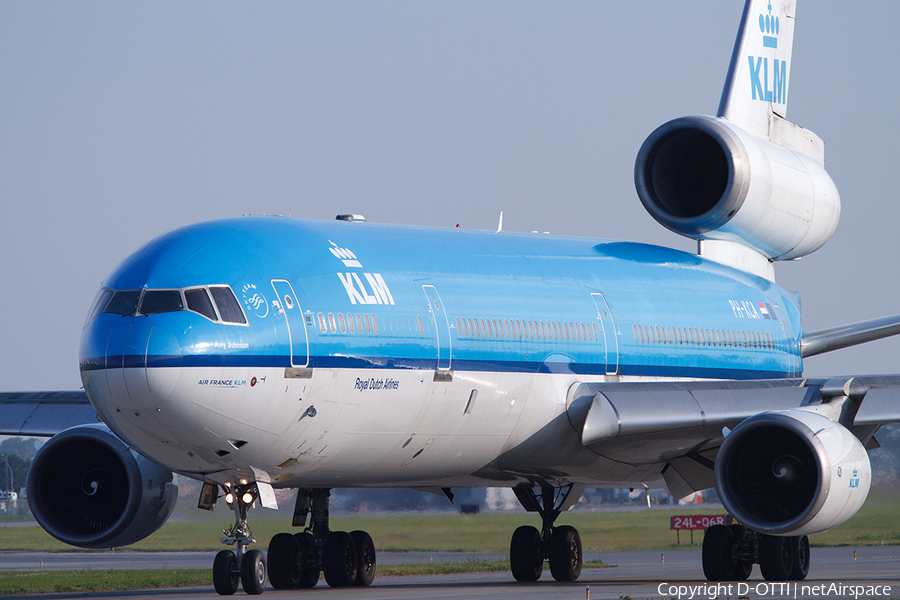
(263, 353)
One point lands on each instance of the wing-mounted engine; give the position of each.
(708, 179)
(88, 489)
(792, 472)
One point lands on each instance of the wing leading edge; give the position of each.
(43, 414)
(681, 425)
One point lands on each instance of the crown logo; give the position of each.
(349, 259)
(769, 26)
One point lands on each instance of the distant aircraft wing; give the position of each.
(680, 425)
(43, 413)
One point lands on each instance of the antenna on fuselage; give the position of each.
(500, 225)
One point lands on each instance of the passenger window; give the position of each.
(368, 325)
(229, 308)
(359, 325)
(100, 303)
(161, 301)
(123, 303)
(350, 324)
(323, 327)
(421, 328)
(332, 323)
(342, 325)
(198, 301)
(459, 331)
(374, 325)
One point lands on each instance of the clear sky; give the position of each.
(122, 120)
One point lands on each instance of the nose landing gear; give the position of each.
(246, 567)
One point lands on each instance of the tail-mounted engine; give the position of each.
(705, 178)
(792, 472)
(88, 489)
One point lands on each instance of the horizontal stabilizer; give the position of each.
(826, 340)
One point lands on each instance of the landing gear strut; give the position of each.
(346, 559)
(729, 553)
(247, 567)
(561, 546)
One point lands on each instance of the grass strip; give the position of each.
(112, 580)
(67, 582)
(875, 524)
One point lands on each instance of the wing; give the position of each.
(43, 413)
(681, 425)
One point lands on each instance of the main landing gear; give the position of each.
(346, 559)
(729, 552)
(561, 545)
(294, 560)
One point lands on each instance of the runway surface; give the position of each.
(637, 575)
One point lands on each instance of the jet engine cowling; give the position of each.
(88, 489)
(705, 178)
(792, 472)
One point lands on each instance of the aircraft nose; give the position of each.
(143, 364)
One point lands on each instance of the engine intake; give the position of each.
(88, 489)
(705, 178)
(792, 473)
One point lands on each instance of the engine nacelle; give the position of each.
(88, 489)
(792, 472)
(705, 178)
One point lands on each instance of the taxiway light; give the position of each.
(247, 497)
(229, 498)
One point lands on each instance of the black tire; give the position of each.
(226, 576)
(776, 557)
(800, 564)
(718, 552)
(743, 565)
(339, 559)
(309, 561)
(565, 553)
(253, 572)
(365, 558)
(283, 560)
(525, 559)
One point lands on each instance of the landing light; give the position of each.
(247, 498)
(229, 498)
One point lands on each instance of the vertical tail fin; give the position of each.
(757, 84)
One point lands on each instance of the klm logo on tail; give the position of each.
(760, 80)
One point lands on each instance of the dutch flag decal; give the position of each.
(764, 310)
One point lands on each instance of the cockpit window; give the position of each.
(161, 301)
(100, 302)
(199, 302)
(228, 306)
(154, 302)
(123, 303)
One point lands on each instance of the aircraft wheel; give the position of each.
(284, 561)
(565, 553)
(308, 561)
(525, 559)
(226, 576)
(718, 545)
(742, 567)
(339, 559)
(800, 564)
(253, 572)
(776, 557)
(365, 558)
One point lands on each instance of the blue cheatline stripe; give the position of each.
(380, 362)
